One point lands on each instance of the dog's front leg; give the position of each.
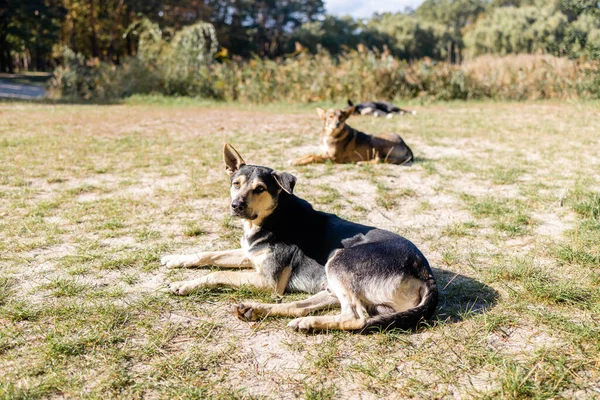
(224, 259)
(222, 278)
(375, 160)
(250, 311)
(310, 159)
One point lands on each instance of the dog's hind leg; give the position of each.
(221, 278)
(224, 259)
(253, 311)
(353, 315)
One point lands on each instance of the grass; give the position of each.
(503, 199)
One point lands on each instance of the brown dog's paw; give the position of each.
(244, 312)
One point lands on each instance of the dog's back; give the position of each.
(387, 147)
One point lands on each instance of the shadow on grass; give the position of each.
(462, 297)
(422, 160)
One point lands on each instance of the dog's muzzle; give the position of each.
(239, 208)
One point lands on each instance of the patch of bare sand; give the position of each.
(553, 224)
(522, 340)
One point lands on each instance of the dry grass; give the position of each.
(503, 200)
(356, 74)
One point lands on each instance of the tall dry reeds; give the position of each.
(357, 74)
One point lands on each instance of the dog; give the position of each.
(378, 278)
(378, 109)
(341, 143)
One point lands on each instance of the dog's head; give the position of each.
(334, 119)
(254, 190)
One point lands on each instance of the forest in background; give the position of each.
(34, 33)
(264, 51)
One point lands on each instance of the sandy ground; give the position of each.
(92, 196)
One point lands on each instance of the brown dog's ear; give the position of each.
(285, 181)
(321, 112)
(233, 160)
(348, 111)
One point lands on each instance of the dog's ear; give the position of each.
(321, 112)
(285, 181)
(348, 111)
(233, 160)
(350, 103)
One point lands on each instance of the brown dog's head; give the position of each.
(254, 190)
(334, 119)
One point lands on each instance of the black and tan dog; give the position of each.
(379, 109)
(341, 143)
(380, 279)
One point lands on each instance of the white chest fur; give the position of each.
(256, 257)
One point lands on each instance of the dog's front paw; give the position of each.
(174, 261)
(246, 312)
(298, 161)
(305, 324)
(181, 288)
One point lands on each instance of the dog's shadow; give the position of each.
(422, 160)
(462, 297)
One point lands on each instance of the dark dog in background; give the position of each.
(378, 278)
(378, 109)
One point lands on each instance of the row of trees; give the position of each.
(33, 32)
(454, 29)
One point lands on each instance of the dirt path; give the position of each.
(23, 86)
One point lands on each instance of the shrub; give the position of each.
(184, 66)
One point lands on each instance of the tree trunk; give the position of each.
(38, 61)
(111, 45)
(6, 62)
(2, 61)
(93, 37)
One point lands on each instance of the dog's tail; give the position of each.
(408, 319)
(350, 103)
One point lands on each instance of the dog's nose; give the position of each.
(238, 205)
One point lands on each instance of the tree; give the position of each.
(582, 37)
(574, 8)
(412, 37)
(455, 15)
(28, 29)
(517, 30)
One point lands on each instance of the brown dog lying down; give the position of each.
(343, 144)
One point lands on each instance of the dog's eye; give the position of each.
(259, 189)
(236, 185)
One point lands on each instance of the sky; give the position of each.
(366, 8)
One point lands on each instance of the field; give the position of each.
(503, 199)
